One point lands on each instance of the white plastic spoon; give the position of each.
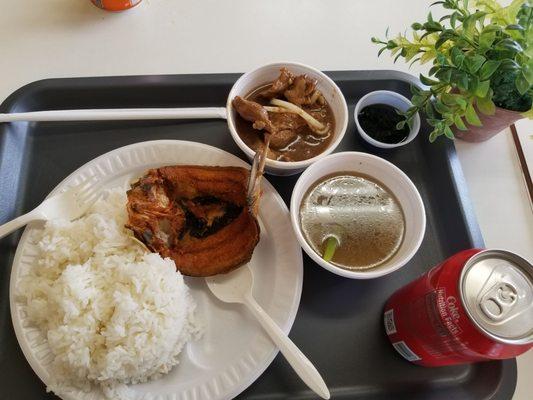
(236, 287)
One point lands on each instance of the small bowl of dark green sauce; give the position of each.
(377, 115)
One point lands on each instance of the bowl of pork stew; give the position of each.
(294, 109)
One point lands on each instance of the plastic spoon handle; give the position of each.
(18, 222)
(117, 114)
(298, 361)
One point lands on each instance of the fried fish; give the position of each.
(202, 217)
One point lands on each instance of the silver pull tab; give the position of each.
(498, 301)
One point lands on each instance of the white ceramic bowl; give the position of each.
(383, 171)
(268, 73)
(392, 99)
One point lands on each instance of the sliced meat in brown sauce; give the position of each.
(282, 83)
(282, 138)
(287, 126)
(253, 112)
(302, 91)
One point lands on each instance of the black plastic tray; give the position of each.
(339, 323)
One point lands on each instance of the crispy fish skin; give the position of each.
(162, 216)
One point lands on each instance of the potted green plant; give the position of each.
(481, 80)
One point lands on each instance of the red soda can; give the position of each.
(475, 306)
(115, 5)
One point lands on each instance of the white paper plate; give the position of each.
(234, 350)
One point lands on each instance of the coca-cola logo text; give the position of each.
(452, 308)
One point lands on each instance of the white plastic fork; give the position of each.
(71, 204)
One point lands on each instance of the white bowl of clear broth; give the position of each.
(357, 215)
(290, 155)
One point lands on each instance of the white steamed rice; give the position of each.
(112, 312)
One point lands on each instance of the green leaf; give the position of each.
(441, 59)
(444, 75)
(416, 26)
(433, 122)
(449, 4)
(433, 70)
(453, 19)
(394, 51)
(509, 65)
(427, 33)
(471, 116)
(418, 100)
(482, 88)
(452, 99)
(460, 79)
(528, 73)
(427, 81)
(414, 61)
(522, 85)
(488, 69)
(479, 15)
(441, 40)
(515, 27)
(400, 125)
(469, 23)
(427, 55)
(486, 39)
(474, 63)
(430, 111)
(473, 82)
(459, 123)
(448, 132)
(433, 26)
(491, 28)
(486, 105)
(448, 99)
(460, 102)
(433, 135)
(509, 44)
(457, 57)
(441, 107)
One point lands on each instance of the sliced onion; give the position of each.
(313, 123)
(278, 110)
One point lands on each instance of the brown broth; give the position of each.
(360, 212)
(307, 144)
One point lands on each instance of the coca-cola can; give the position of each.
(475, 306)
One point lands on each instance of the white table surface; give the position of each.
(66, 38)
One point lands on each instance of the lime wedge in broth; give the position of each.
(330, 245)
